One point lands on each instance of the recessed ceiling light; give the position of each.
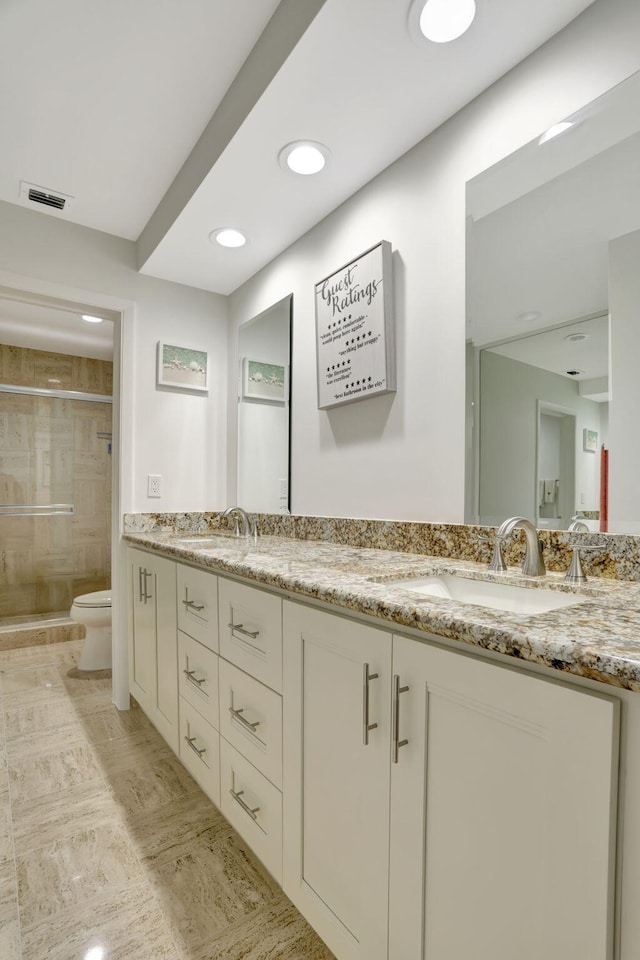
(576, 337)
(304, 157)
(444, 20)
(530, 317)
(91, 319)
(227, 237)
(555, 131)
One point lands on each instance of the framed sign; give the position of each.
(355, 347)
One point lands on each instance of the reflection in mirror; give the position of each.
(551, 232)
(264, 355)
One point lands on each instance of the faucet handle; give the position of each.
(575, 573)
(497, 560)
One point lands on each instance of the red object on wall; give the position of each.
(604, 489)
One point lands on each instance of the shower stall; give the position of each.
(55, 482)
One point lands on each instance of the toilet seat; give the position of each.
(98, 599)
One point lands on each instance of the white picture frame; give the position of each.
(264, 382)
(182, 368)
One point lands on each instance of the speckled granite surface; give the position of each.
(599, 638)
(620, 560)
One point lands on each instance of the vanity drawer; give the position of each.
(200, 750)
(198, 605)
(253, 806)
(251, 631)
(251, 720)
(198, 677)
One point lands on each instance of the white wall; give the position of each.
(179, 436)
(402, 456)
(509, 395)
(624, 448)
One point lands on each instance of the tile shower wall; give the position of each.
(50, 452)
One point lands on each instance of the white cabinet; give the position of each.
(502, 813)
(336, 683)
(499, 788)
(153, 679)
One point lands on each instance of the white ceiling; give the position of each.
(107, 101)
(57, 329)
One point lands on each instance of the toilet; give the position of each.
(94, 611)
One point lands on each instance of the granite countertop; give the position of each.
(598, 639)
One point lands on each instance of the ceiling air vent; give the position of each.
(53, 199)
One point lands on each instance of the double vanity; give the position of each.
(434, 760)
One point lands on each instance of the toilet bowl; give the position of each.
(94, 611)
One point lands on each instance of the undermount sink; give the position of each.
(488, 593)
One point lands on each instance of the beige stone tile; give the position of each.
(128, 925)
(209, 888)
(167, 832)
(29, 679)
(50, 817)
(52, 366)
(108, 723)
(38, 776)
(277, 932)
(6, 832)
(9, 917)
(37, 717)
(145, 747)
(45, 742)
(78, 685)
(149, 784)
(73, 870)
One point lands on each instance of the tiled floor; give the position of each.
(108, 849)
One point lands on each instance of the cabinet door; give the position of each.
(166, 703)
(336, 785)
(142, 630)
(153, 645)
(503, 848)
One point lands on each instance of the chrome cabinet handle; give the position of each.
(192, 605)
(147, 596)
(140, 590)
(237, 715)
(238, 627)
(396, 742)
(366, 726)
(191, 741)
(237, 796)
(190, 675)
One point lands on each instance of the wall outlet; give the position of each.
(154, 485)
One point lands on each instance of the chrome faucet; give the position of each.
(533, 565)
(577, 525)
(240, 514)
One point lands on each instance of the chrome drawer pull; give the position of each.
(245, 633)
(237, 796)
(189, 674)
(366, 726)
(396, 742)
(191, 741)
(237, 715)
(192, 605)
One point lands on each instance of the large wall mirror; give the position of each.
(264, 378)
(554, 325)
